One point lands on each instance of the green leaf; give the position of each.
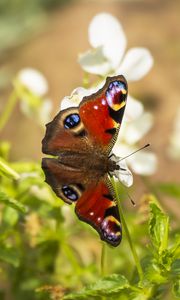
(176, 288)
(6, 170)
(154, 274)
(12, 202)
(175, 268)
(158, 228)
(171, 189)
(106, 286)
(9, 255)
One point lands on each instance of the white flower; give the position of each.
(108, 41)
(75, 98)
(143, 162)
(174, 146)
(34, 81)
(131, 132)
(108, 57)
(135, 125)
(124, 174)
(31, 87)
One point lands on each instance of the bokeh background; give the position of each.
(49, 35)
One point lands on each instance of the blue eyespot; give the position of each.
(117, 84)
(69, 193)
(71, 121)
(116, 93)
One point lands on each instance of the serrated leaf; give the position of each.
(171, 189)
(4, 198)
(106, 286)
(176, 288)
(158, 228)
(9, 255)
(153, 273)
(175, 268)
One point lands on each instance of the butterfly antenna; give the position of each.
(130, 198)
(147, 145)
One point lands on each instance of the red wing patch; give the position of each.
(97, 208)
(102, 112)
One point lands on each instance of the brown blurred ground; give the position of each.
(153, 24)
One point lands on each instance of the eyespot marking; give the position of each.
(71, 193)
(116, 95)
(71, 121)
(111, 230)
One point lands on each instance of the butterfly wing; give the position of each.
(65, 133)
(94, 124)
(74, 135)
(102, 112)
(93, 197)
(98, 208)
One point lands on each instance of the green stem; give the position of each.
(133, 250)
(86, 80)
(70, 255)
(103, 260)
(6, 169)
(8, 109)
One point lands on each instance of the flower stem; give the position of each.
(8, 109)
(103, 260)
(86, 80)
(133, 250)
(6, 169)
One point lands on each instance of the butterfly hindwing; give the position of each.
(94, 202)
(97, 207)
(64, 180)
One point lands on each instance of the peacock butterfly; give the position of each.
(82, 138)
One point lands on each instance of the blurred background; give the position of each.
(49, 35)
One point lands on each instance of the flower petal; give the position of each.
(136, 64)
(124, 174)
(45, 111)
(174, 146)
(94, 61)
(143, 163)
(133, 132)
(33, 80)
(75, 98)
(134, 109)
(106, 31)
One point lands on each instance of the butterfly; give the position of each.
(81, 140)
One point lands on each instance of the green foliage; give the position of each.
(46, 253)
(171, 189)
(161, 268)
(19, 20)
(107, 286)
(158, 228)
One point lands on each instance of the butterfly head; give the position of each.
(120, 170)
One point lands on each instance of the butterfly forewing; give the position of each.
(102, 112)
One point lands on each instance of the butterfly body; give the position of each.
(82, 138)
(91, 162)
